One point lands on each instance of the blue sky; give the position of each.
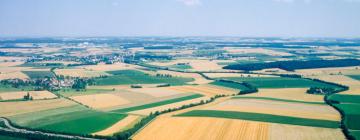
(260, 18)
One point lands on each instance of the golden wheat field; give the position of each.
(36, 95)
(301, 110)
(98, 101)
(208, 90)
(123, 124)
(200, 128)
(298, 94)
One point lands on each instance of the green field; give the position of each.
(80, 122)
(170, 101)
(355, 133)
(229, 85)
(182, 67)
(72, 92)
(8, 88)
(3, 137)
(350, 106)
(278, 82)
(262, 118)
(123, 77)
(40, 117)
(74, 119)
(39, 74)
(356, 77)
(343, 98)
(352, 115)
(277, 99)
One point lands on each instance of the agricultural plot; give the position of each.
(39, 74)
(72, 92)
(350, 106)
(121, 125)
(208, 90)
(100, 101)
(109, 67)
(156, 104)
(244, 50)
(123, 77)
(229, 85)
(293, 94)
(8, 108)
(180, 128)
(79, 122)
(13, 75)
(262, 118)
(36, 95)
(354, 85)
(279, 82)
(222, 75)
(356, 77)
(281, 108)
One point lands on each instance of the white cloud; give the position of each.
(191, 2)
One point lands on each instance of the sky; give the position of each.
(243, 18)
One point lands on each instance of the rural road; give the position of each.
(11, 128)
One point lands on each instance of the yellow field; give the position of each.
(327, 71)
(298, 94)
(165, 107)
(79, 73)
(20, 95)
(200, 128)
(13, 75)
(109, 67)
(156, 91)
(294, 132)
(15, 108)
(10, 64)
(313, 111)
(125, 123)
(98, 101)
(205, 89)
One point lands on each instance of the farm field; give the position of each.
(36, 95)
(71, 92)
(356, 77)
(349, 105)
(278, 82)
(281, 108)
(80, 122)
(180, 128)
(121, 125)
(354, 85)
(156, 104)
(39, 74)
(99, 101)
(229, 85)
(209, 90)
(124, 77)
(262, 118)
(295, 94)
(32, 106)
